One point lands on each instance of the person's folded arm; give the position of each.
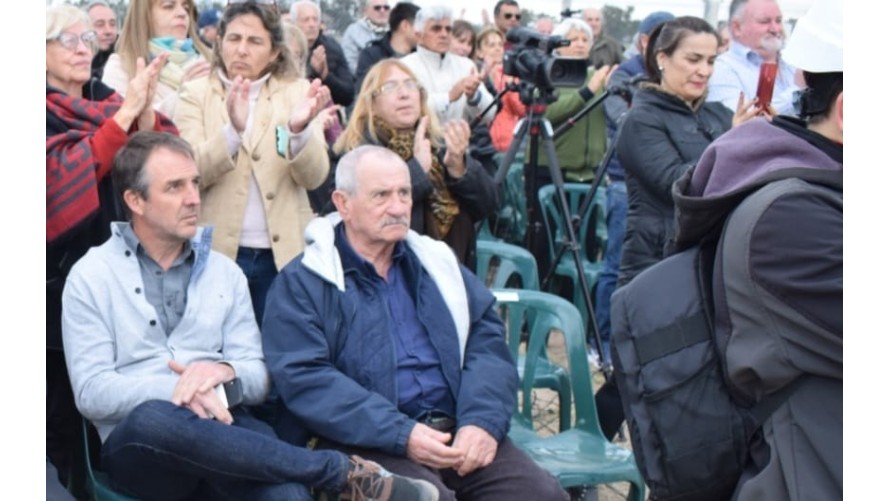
(100, 391)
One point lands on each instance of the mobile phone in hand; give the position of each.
(230, 393)
(765, 84)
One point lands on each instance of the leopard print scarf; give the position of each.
(441, 206)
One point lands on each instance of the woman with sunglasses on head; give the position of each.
(152, 28)
(450, 190)
(258, 144)
(86, 123)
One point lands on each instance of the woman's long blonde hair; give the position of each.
(136, 34)
(292, 33)
(359, 127)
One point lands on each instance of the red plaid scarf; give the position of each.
(72, 170)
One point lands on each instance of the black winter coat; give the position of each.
(661, 138)
(373, 53)
(339, 79)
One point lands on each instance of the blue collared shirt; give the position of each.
(421, 382)
(738, 69)
(166, 290)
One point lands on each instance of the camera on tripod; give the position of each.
(531, 60)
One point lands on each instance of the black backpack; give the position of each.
(689, 431)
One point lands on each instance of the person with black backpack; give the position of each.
(729, 353)
(780, 306)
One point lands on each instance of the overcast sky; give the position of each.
(473, 13)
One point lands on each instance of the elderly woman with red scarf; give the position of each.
(86, 123)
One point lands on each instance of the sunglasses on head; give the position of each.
(379, 8)
(509, 15)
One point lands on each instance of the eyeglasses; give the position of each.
(71, 40)
(509, 15)
(379, 8)
(437, 28)
(392, 86)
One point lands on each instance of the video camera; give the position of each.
(530, 60)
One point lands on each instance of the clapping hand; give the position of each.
(140, 94)
(317, 97)
(318, 60)
(423, 152)
(238, 103)
(457, 140)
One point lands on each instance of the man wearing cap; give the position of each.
(208, 26)
(757, 37)
(780, 261)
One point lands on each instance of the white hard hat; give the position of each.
(817, 43)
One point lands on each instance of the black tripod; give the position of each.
(536, 127)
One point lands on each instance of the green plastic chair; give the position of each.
(97, 483)
(547, 374)
(510, 222)
(591, 249)
(512, 262)
(580, 457)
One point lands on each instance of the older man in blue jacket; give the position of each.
(378, 340)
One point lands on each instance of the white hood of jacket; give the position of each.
(435, 256)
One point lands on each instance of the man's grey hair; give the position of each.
(296, 5)
(345, 177)
(434, 13)
(569, 24)
(95, 3)
(61, 17)
(737, 8)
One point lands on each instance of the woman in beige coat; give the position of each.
(258, 146)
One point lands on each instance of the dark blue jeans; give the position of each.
(616, 219)
(258, 266)
(166, 452)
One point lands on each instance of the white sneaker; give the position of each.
(593, 358)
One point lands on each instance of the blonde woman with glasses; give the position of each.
(450, 190)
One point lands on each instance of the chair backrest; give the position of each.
(511, 219)
(594, 218)
(540, 313)
(98, 484)
(499, 264)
